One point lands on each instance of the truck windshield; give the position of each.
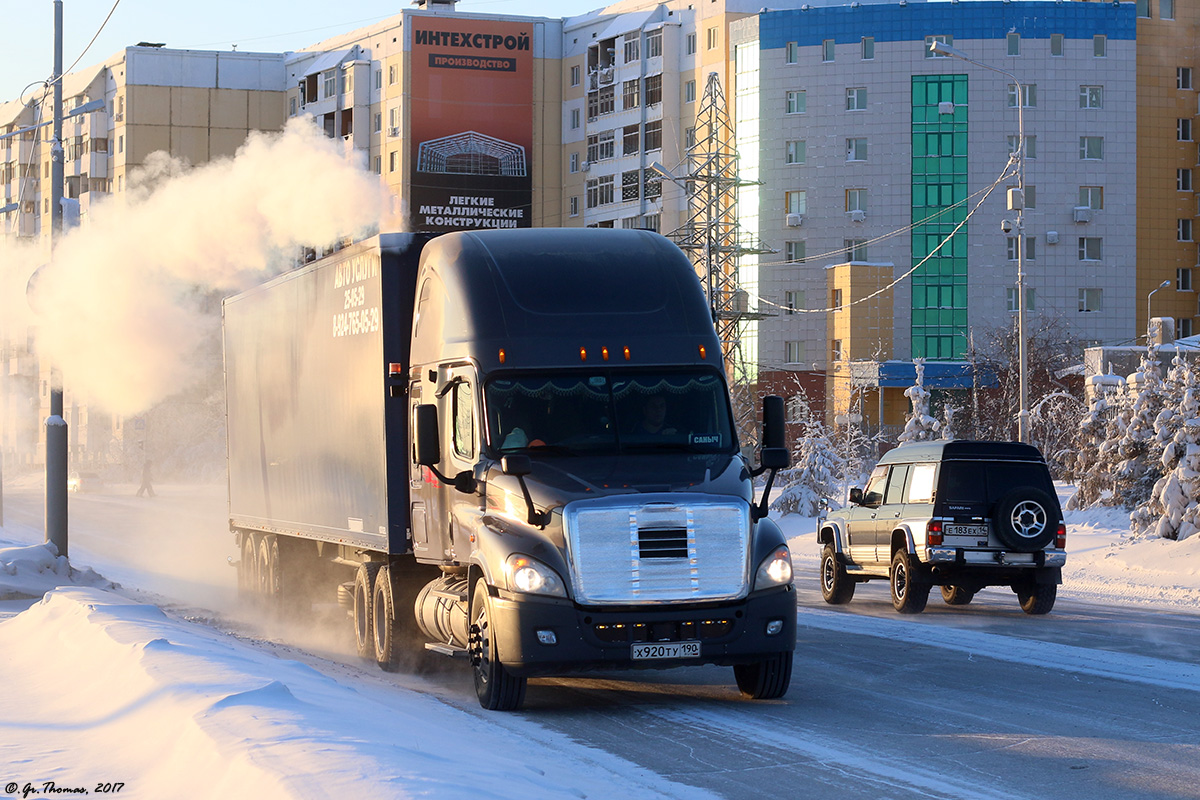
(609, 413)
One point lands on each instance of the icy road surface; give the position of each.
(1094, 701)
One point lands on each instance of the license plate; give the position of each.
(645, 651)
(967, 530)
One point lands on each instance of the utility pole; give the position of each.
(56, 425)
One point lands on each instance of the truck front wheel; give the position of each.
(496, 689)
(364, 588)
(383, 615)
(766, 680)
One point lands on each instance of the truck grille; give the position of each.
(658, 548)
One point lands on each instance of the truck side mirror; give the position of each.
(517, 465)
(775, 455)
(856, 496)
(425, 430)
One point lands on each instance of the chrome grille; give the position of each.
(658, 548)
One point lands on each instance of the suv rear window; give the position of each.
(984, 482)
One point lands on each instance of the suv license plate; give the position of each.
(967, 530)
(644, 651)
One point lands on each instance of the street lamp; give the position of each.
(1016, 202)
(1162, 285)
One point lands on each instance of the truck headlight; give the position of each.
(775, 570)
(530, 576)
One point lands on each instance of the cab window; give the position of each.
(895, 487)
(873, 494)
(464, 421)
(920, 488)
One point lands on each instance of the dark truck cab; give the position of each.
(573, 495)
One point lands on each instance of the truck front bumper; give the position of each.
(546, 636)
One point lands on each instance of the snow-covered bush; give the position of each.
(1173, 509)
(1091, 473)
(919, 426)
(816, 472)
(1138, 466)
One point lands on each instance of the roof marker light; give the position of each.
(583, 354)
(703, 351)
(604, 353)
(503, 355)
(626, 353)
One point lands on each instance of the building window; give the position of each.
(1091, 97)
(630, 138)
(791, 53)
(690, 44)
(856, 199)
(856, 98)
(796, 202)
(856, 249)
(1143, 8)
(1183, 77)
(391, 75)
(827, 50)
(291, 106)
(631, 185)
(1183, 229)
(651, 185)
(393, 161)
(868, 48)
(793, 352)
(689, 92)
(574, 207)
(1028, 95)
(1010, 299)
(797, 102)
(1030, 146)
(793, 252)
(575, 75)
(1014, 44)
(943, 38)
(1056, 44)
(835, 349)
(1100, 46)
(654, 43)
(796, 152)
(653, 90)
(1091, 148)
(1183, 179)
(601, 146)
(600, 191)
(378, 165)
(689, 138)
(379, 79)
(1090, 248)
(574, 162)
(1183, 279)
(631, 93)
(835, 300)
(1090, 299)
(633, 43)
(1166, 9)
(574, 119)
(856, 149)
(1030, 248)
(1183, 129)
(653, 137)
(1183, 327)
(713, 39)
(1091, 197)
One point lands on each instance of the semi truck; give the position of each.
(513, 447)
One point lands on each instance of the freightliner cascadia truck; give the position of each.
(514, 447)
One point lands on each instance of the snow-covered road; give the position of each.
(1093, 701)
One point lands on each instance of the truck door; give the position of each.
(420, 485)
(458, 409)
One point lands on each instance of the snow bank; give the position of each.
(31, 571)
(111, 690)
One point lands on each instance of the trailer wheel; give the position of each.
(386, 638)
(269, 578)
(496, 689)
(767, 679)
(364, 587)
(247, 572)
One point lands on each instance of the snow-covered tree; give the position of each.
(1138, 467)
(919, 426)
(816, 472)
(1092, 470)
(948, 412)
(1173, 509)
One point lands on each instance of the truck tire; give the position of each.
(836, 586)
(767, 679)
(248, 569)
(386, 635)
(910, 587)
(364, 587)
(1037, 598)
(496, 689)
(957, 595)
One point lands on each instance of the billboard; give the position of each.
(471, 123)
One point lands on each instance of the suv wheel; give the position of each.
(957, 595)
(1026, 519)
(1037, 598)
(910, 586)
(836, 586)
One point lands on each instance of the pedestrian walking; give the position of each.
(146, 488)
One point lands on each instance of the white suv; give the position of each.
(961, 515)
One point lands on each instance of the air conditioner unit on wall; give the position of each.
(1083, 214)
(393, 132)
(795, 220)
(857, 216)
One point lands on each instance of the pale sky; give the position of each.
(27, 31)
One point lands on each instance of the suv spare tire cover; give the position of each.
(1026, 519)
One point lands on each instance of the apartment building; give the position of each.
(876, 156)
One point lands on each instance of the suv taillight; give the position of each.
(1060, 539)
(933, 533)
